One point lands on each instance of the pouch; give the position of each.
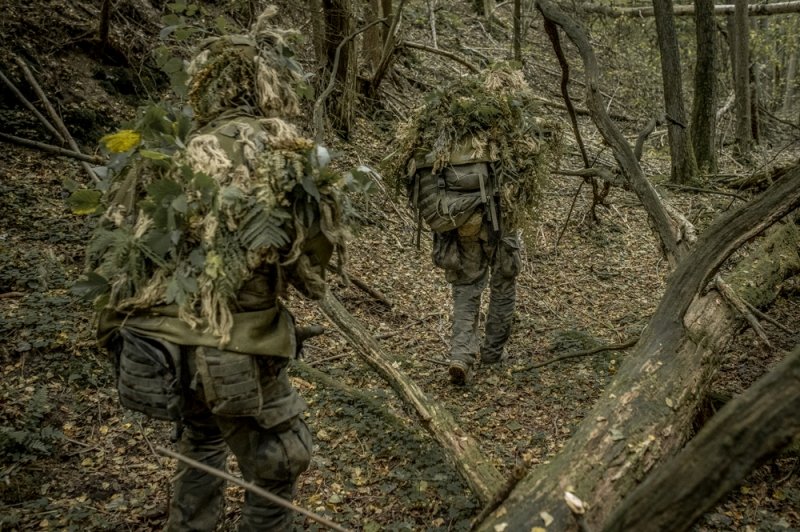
(231, 382)
(149, 376)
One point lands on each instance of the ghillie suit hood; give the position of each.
(255, 71)
(188, 222)
(490, 118)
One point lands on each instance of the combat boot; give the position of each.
(460, 372)
(492, 356)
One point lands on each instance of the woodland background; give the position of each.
(601, 268)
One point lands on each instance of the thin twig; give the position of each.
(432, 17)
(389, 334)
(569, 215)
(738, 303)
(767, 317)
(777, 119)
(149, 443)
(53, 114)
(252, 488)
(313, 363)
(366, 288)
(703, 190)
(443, 53)
(24, 101)
(613, 347)
(49, 148)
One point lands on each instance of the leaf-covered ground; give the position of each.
(71, 458)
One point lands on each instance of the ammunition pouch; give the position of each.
(149, 375)
(231, 382)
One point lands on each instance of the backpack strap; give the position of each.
(487, 195)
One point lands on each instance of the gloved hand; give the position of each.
(304, 333)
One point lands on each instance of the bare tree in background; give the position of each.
(339, 24)
(375, 37)
(740, 50)
(485, 8)
(684, 166)
(704, 109)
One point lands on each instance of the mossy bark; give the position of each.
(646, 413)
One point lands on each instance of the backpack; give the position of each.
(447, 198)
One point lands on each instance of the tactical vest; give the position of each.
(448, 198)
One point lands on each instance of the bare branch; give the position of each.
(443, 53)
(49, 148)
(318, 121)
(586, 352)
(28, 105)
(738, 303)
(53, 114)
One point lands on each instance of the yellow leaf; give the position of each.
(121, 141)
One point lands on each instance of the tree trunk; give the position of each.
(318, 32)
(105, 22)
(476, 469)
(484, 8)
(704, 123)
(388, 53)
(755, 100)
(754, 425)
(684, 166)
(374, 36)
(791, 75)
(646, 413)
(623, 152)
(741, 53)
(518, 30)
(339, 24)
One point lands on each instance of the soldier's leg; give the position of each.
(272, 458)
(197, 496)
(465, 343)
(469, 281)
(502, 299)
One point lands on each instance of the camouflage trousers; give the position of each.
(270, 455)
(473, 264)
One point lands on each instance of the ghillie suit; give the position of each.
(199, 240)
(473, 163)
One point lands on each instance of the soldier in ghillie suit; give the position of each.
(474, 160)
(199, 240)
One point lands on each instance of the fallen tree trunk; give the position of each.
(646, 413)
(472, 464)
(754, 425)
(753, 10)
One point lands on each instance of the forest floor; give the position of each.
(72, 458)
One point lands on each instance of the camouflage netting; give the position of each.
(255, 71)
(495, 116)
(188, 225)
